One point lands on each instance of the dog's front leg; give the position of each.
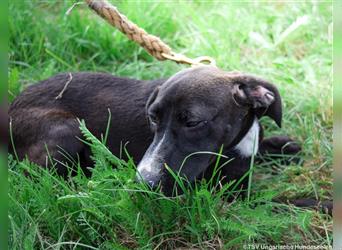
(281, 148)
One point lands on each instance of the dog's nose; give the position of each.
(152, 180)
(149, 171)
(152, 184)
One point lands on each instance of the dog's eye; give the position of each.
(192, 124)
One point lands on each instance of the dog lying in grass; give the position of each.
(174, 124)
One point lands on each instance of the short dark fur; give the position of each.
(39, 118)
(227, 102)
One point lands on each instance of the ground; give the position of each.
(288, 43)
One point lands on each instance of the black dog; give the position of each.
(164, 121)
(173, 122)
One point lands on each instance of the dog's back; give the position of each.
(41, 121)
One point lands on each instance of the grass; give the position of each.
(286, 43)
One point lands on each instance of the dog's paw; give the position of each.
(281, 145)
(280, 148)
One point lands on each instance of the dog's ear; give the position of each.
(258, 94)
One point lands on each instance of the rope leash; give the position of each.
(152, 44)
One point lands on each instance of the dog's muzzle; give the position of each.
(149, 170)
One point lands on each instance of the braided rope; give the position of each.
(152, 44)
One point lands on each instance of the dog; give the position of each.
(168, 125)
(164, 121)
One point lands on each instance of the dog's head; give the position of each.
(199, 110)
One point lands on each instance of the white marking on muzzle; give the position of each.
(150, 165)
(250, 141)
